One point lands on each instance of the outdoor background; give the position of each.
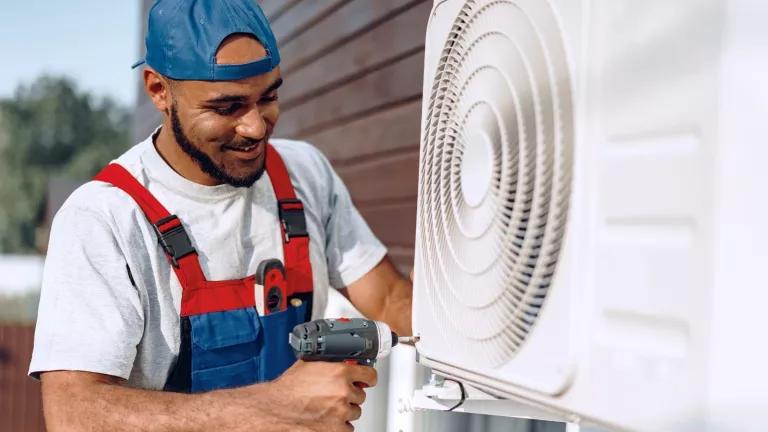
(67, 97)
(69, 103)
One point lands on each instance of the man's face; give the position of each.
(224, 125)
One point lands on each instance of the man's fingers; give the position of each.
(357, 396)
(363, 374)
(355, 412)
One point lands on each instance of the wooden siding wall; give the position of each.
(353, 82)
(21, 408)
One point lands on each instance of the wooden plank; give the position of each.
(297, 20)
(389, 130)
(349, 22)
(273, 9)
(393, 224)
(383, 178)
(398, 38)
(397, 83)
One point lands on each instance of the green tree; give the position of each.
(51, 128)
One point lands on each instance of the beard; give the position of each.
(206, 164)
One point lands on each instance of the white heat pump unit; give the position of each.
(593, 208)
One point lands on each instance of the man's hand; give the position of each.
(309, 397)
(323, 396)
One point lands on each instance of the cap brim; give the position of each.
(138, 63)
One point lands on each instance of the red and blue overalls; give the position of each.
(225, 343)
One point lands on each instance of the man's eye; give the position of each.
(268, 99)
(228, 110)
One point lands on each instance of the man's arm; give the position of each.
(351, 248)
(383, 294)
(309, 397)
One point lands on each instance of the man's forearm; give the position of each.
(383, 294)
(397, 308)
(98, 406)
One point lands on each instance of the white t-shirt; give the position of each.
(93, 317)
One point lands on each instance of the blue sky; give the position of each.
(93, 41)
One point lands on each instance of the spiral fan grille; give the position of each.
(496, 164)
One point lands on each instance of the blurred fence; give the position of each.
(20, 403)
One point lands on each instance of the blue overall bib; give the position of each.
(225, 343)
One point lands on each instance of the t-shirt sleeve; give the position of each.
(90, 316)
(351, 248)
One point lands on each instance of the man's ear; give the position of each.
(158, 89)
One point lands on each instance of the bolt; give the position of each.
(436, 380)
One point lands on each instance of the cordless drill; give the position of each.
(344, 340)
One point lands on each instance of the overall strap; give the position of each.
(293, 225)
(171, 234)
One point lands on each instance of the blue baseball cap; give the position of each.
(184, 35)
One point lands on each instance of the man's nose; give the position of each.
(252, 125)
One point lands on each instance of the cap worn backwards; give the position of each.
(184, 35)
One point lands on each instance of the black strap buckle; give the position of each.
(175, 242)
(291, 214)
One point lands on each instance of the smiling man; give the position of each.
(148, 318)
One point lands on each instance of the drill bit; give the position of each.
(408, 339)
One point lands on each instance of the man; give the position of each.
(148, 284)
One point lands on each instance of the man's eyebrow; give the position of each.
(227, 99)
(275, 85)
(221, 99)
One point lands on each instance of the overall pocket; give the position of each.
(225, 351)
(276, 353)
(230, 376)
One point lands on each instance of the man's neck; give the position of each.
(182, 163)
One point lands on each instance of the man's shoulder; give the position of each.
(311, 172)
(132, 158)
(99, 199)
(303, 160)
(297, 151)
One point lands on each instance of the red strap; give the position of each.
(198, 294)
(298, 268)
(187, 268)
(119, 177)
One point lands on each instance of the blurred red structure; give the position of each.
(21, 408)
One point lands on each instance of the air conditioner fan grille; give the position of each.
(495, 175)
